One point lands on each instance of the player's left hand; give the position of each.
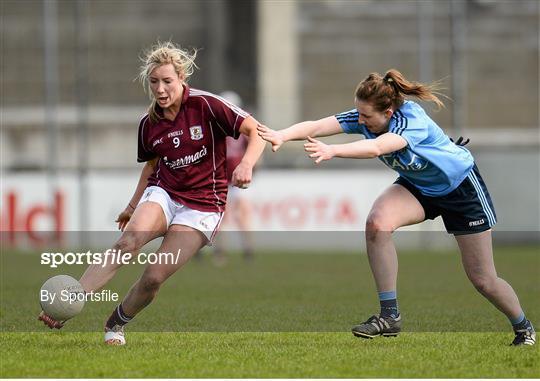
(241, 176)
(273, 137)
(461, 141)
(320, 151)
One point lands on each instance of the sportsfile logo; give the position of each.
(110, 256)
(476, 223)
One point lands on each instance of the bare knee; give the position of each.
(376, 225)
(151, 282)
(484, 284)
(128, 243)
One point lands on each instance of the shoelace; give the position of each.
(522, 335)
(375, 320)
(51, 322)
(116, 329)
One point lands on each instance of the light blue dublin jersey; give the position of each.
(430, 161)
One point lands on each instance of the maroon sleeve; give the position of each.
(228, 116)
(144, 152)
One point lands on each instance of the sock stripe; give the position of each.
(122, 315)
(387, 295)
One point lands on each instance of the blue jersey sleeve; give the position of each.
(407, 123)
(348, 120)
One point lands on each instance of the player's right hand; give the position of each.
(49, 321)
(124, 217)
(271, 136)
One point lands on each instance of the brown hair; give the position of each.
(163, 53)
(389, 90)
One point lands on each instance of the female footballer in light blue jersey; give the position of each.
(436, 178)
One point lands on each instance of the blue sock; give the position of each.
(389, 306)
(520, 322)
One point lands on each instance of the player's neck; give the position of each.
(173, 110)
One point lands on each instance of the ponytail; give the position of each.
(390, 90)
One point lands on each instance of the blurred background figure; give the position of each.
(238, 214)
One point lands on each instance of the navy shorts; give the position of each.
(467, 209)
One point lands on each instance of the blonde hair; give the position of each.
(163, 53)
(390, 90)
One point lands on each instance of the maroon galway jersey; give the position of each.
(236, 148)
(192, 149)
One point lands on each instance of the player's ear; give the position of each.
(388, 113)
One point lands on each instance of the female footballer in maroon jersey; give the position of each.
(182, 189)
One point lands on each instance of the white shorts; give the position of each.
(179, 214)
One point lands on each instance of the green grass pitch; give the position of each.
(283, 315)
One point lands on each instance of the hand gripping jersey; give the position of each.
(192, 149)
(430, 161)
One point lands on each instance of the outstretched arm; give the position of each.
(243, 172)
(362, 149)
(300, 131)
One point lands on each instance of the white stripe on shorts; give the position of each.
(217, 227)
(482, 197)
